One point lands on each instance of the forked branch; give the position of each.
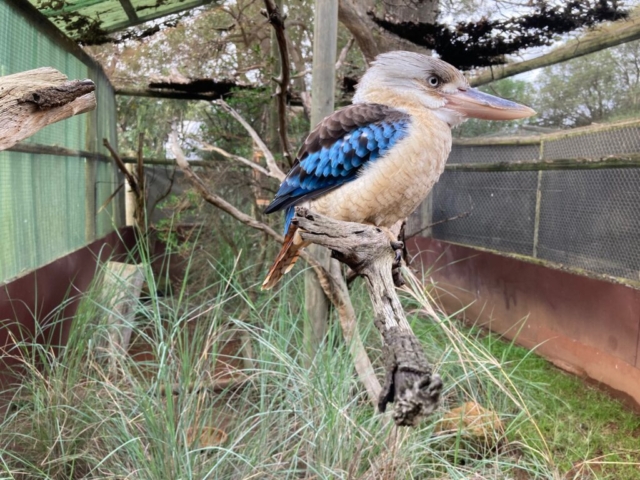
(370, 251)
(272, 166)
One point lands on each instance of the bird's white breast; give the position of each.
(391, 187)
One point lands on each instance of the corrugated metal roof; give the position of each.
(91, 20)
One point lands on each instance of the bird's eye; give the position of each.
(433, 81)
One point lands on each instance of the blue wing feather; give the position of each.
(334, 165)
(336, 161)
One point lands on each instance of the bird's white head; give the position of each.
(407, 78)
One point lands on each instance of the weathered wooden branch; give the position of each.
(616, 33)
(370, 251)
(343, 53)
(135, 182)
(131, 180)
(355, 19)
(276, 19)
(32, 100)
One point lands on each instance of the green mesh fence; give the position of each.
(49, 204)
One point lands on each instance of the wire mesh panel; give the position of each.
(493, 153)
(610, 141)
(501, 208)
(591, 220)
(586, 219)
(48, 202)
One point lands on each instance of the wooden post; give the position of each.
(325, 44)
(121, 287)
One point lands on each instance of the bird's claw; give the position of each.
(398, 248)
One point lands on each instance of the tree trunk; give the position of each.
(371, 39)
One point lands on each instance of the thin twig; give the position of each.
(212, 148)
(110, 198)
(301, 74)
(272, 166)
(439, 222)
(131, 180)
(276, 19)
(215, 200)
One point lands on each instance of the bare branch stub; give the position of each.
(31, 100)
(370, 251)
(58, 95)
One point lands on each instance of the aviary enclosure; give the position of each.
(140, 142)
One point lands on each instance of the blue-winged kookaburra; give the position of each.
(376, 160)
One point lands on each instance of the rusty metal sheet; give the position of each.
(588, 326)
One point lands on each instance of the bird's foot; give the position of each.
(396, 269)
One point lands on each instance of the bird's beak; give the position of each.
(476, 104)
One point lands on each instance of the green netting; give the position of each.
(88, 19)
(48, 203)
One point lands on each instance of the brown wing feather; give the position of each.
(286, 259)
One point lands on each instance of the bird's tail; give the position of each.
(286, 259)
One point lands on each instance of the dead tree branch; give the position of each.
(136, 182)
(616, 33)
(343, 53)
(272, 166)
(333, 286)
(32, 100)
(410, 382)
(276, 19)
(131, 180)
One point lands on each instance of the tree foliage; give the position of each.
(594, 88)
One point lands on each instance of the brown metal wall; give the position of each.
(34, 299)
(589, 327)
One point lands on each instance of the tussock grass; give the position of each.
(86, 413)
